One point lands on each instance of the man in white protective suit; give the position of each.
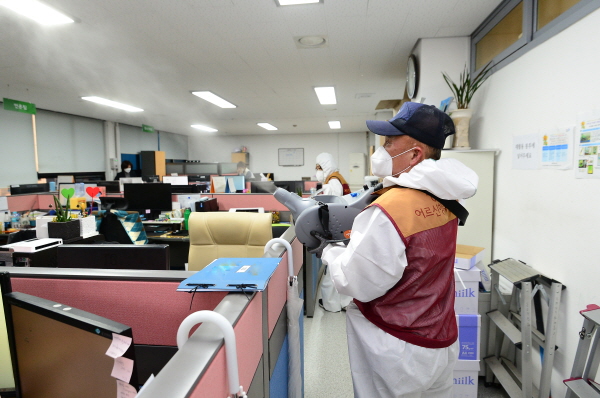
(399, 262)
(328, 173)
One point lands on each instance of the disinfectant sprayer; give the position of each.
(325, 219)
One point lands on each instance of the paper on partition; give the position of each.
(122, 369)
(219, 184)
(3, 203)
(119, 345)
(125, 390)
(231, 185)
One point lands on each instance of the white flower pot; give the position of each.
(461, 119)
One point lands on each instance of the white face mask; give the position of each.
(127, 170)
(381, 162)
(320, 176)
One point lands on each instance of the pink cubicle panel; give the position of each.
(153, 310)
(22, 202)
(248, 338)
(277, 288)
(233, 200)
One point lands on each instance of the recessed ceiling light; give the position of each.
(335, 125)
(267, 126)
(114, 104)
(326, 95)
(37, 11)
(295, 2)
(204, 128)
(213, 99)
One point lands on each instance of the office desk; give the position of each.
(179, 248)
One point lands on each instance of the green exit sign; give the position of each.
(18, 106)
(147, 129)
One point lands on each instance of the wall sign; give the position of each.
(291, 156)
(147, 129)
(18, 106)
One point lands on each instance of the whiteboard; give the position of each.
(291, 156)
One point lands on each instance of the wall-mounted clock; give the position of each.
(412, 77)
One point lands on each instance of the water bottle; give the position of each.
(186, 216)
(6, 221)
(15, 220)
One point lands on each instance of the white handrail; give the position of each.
(230, 348)
(289, 250)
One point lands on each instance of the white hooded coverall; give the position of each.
(332, 300)
(373, 262)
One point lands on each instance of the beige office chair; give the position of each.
(222, 234)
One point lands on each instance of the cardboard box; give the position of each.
(465, 379)
(469, 330)
(466, 297)
(467, 256)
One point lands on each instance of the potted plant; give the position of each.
(63, 225)
(463, 93)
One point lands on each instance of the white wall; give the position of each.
(435, 56)
(263, 150)
(547, 218)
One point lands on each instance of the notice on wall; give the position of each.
(557, 148)
(526, 149)
(586, 160)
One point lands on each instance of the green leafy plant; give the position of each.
(63, 213)
(467, 85)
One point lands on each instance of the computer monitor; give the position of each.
(29, 188)
(291, 186)
(60, 351)
(111, 186)
(262, 187)
(198, 178)
(151, 178)
(114, 256)
(175, 180)
(113, 202)
(129, 180)
(148, 198)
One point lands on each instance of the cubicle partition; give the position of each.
(148, 302)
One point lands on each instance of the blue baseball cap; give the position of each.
(424, 123)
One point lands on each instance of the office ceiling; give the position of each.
(153, 53)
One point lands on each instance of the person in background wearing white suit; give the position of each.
(399, 262)
(333, 184)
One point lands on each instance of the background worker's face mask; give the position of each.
(382, 165)
(128, 170)
(320, 175)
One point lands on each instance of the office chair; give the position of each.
(222, 234)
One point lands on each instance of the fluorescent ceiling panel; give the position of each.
(37, 11)
(295, 2)
(326, 95)
(335, 125)
(118, 105)
(204, 128)
(267, 126)
(213, 99)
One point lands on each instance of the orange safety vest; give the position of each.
(338, 176)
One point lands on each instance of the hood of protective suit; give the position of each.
(325, 160)
(445, 178)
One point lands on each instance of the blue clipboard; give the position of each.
(229, 274)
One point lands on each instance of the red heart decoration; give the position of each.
(92, 191)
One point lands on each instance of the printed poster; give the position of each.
(557, 148)
(586, 159)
